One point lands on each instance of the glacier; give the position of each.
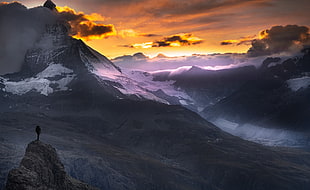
(41, 82)
(298, 83)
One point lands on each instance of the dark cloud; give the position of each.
(149, 35)
(20, 28)
(87, 29)
(247, 40)
(280, 39)
(178, 40)
(170, 41)
(226, 42)
(84, 26)
(127, 46)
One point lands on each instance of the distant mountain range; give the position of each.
(274, 95)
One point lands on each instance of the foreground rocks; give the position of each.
(41, 169)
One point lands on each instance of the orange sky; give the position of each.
(200, 25)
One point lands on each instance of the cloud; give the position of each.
(242, 41)
(132, 33)
(227, 42)
(167, 8)
(20, 28)
(149, 35)
(280, 39)
(210, 62)
(176, 40)
(84, 26)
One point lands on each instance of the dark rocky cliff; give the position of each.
(41, 169)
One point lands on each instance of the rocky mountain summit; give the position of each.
(41, 169)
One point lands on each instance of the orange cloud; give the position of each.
(176, 40)
(84, 26)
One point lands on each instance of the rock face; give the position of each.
(41, 169)
(49, 4)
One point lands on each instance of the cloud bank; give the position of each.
(277, 39)
(139, 61)
(280, 39)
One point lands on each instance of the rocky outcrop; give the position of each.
(41, 169)
(49, 4)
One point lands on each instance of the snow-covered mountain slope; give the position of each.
(272, 97)
(42, 82)
(59, 63)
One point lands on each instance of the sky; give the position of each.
(177, 27)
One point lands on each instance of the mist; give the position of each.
(208, 62)
(20, 28)
(260, 134)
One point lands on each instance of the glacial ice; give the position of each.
(298, 83)
(41, 82)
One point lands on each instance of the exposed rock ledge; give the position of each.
(41, 169)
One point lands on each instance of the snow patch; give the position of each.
(41, 83)
(54, 70)
(298, 83)
(22, 87)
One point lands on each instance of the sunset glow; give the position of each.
(116, 28)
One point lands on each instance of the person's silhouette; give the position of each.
(38, 131)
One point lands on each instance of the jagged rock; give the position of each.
(41, 169)
(49, 4)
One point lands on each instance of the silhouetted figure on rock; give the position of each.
(38, 131)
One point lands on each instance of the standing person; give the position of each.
(38, 131)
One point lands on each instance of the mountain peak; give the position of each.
(41, 169)
(49, 4)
